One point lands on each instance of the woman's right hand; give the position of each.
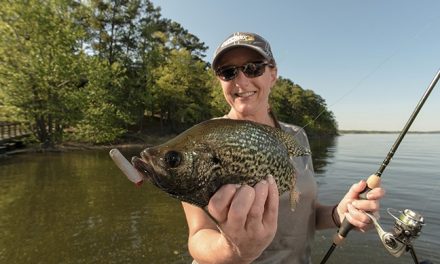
(247, 217)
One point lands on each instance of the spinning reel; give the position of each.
(409, 223)
(407, 227)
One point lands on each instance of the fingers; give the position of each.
(262, 218)
(355, 190)
(372, 204)
(219, 203)
(376, 194)
(354, 208)
(357, 208)
(251, 208)
(366, 205)
(240, 206)
(357, 218)
(270, 217)
(254, 219)
(256, 211)
(351, 195)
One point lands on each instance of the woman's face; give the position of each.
(247, 96)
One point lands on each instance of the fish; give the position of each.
(196, 163)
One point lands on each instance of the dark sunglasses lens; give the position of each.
(251, 70)
(228, 73)
(254, 69)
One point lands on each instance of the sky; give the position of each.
(371, 61)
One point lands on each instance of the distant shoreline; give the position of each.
(384, 132)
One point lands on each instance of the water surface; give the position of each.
(77, 207)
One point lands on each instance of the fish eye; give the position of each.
(172, 158)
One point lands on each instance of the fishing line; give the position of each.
(414, 221)
(419, 32)
(355, 87)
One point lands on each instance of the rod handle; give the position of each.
(372, 182)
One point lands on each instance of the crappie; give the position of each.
(194, 165)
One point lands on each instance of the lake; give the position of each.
(77, 207)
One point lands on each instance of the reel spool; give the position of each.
(407, 227)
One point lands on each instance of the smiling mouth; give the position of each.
(245, 94)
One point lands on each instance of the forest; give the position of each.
(93, 71)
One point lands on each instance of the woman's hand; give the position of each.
(354, 209)
(247, 217)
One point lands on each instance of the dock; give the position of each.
(12, 135)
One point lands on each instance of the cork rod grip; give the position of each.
(372, 182)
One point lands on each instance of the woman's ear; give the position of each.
(273, 76)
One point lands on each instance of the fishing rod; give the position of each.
(374, 181)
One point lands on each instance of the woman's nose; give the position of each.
(241, 80)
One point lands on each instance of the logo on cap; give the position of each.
(237, 39)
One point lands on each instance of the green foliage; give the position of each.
(99, 67)
(181, 93)
(104, 117)
(40, 64)
(294, 105)
(219, 106)
(133, 34)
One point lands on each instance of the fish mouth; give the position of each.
(144, 168)
(148, 171)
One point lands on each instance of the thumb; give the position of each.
(355, 190)
(352, 194)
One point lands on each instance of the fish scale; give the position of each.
(194, 165)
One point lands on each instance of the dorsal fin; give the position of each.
(293, 147)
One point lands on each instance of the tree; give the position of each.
(134, 35)
(41, 64)
(182, 90)
(99, 67)
(103, 120)
(304, 108)
(219, 106)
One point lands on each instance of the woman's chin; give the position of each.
(246, 111)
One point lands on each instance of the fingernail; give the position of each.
(237, 186)
(270, 179)
(263, 182)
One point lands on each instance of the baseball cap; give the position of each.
(247, 40)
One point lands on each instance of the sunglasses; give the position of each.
(250, 70)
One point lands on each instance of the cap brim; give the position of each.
(223, 51)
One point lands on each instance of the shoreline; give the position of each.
(69, 147)
(138, 141)
(146, 141)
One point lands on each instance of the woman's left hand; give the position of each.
(353, 208)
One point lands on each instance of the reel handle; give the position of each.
(372, 182)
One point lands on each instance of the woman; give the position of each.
(255, 223)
